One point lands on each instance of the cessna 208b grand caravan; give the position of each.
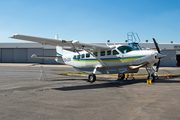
(100, 59)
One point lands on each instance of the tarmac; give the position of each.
(23, 96)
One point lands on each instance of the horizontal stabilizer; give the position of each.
(45, 57)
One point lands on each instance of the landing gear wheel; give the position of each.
(152, 79)
(91, 77)
(121, 76)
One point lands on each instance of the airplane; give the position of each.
(101, 59)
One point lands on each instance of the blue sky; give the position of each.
(91, 20)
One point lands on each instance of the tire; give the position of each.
(121, 76)
(153, 77)
(91, 77)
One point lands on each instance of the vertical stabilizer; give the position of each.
(59, 51)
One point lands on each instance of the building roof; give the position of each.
(167, 46)
(25, 45)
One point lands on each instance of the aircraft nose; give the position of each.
(161, 55)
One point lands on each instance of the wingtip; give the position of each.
(13, 35)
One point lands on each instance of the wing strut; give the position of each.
(103, 63)
(74, 47)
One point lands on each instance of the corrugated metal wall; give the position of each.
(37, 51)
(49, 52)
(169, 60)
(23, 55)
(20, 55)
(7, 55)
(0, 55)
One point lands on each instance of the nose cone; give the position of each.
(161, 55)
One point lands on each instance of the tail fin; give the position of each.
(59, 51)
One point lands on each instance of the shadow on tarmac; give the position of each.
(69, 79)
(111, 83)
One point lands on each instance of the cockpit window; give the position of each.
(115, 52)
(125, 49)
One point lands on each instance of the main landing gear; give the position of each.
(92, 77)
(121, 76)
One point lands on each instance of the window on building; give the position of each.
(175, 46)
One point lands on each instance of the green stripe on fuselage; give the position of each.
(107, 60)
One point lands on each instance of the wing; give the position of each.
(55, 42)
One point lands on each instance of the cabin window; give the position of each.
(95, 53)
(82, 56)
(78, 57)
(74, 57)
(115, 52)
(125, 49)
(87, 55)
(102, 53)
(109, 52)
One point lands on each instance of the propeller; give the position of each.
(157, 47)
(159, 55)
(157, 66)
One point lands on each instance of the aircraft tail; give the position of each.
(59, 51)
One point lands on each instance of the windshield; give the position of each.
(125, 49)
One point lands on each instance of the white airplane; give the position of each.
(100, 59)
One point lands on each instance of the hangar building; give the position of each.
(21, 52)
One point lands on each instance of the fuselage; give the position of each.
(119, 56)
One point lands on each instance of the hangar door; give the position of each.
(37, 51)
(20, 55)
(49, 52)
(7, 55)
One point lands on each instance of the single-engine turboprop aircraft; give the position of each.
(100, 59)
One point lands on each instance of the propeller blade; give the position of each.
(157, 66)
(157, 47)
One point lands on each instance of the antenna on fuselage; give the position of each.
(108, 41)
(57, 37)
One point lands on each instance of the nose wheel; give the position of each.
(152, 77)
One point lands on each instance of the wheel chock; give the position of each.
(149, 81)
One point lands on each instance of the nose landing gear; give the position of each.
(152, 77)
(151, 72)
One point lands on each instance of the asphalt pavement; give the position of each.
(23, 96)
